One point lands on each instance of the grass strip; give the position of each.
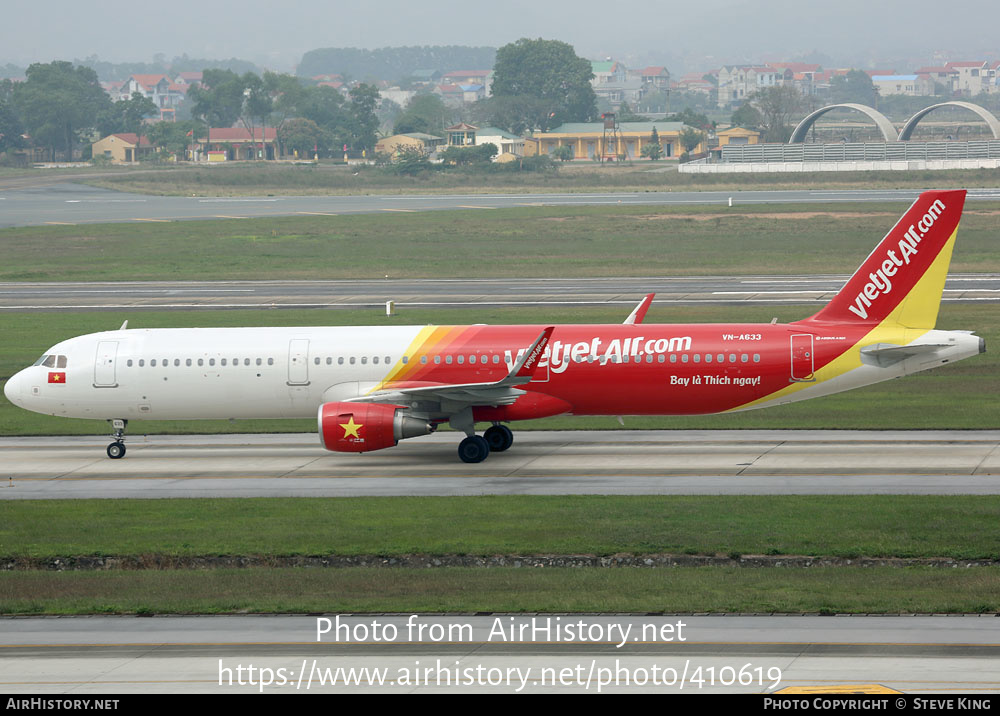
(908, 526)
(578, 241)
(952, 397)
(816, 590)
(245, 179)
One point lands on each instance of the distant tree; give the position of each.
(690, 138)
(655, 100)
(515, 114)
(692, 119)
(57, 102)
(747, 117)
(564, 153)
(303, 136)
(326, 107)
(425, 113)
(364, 122)
(286, 94)
(11, 128)
(410, 161)
(625, 114)
(469, 156)
(547, 75)
(126, 115)
(653, 150)
(172, 138)
(777, 106)
(218, 99)
(391, 63)
(856, 87)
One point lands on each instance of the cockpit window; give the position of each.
(51, 361)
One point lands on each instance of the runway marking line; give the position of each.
(222, 216)
(463, 206)
(315, 213)
(60, 223)
(157, 221)
(407, 211)
(493, 643)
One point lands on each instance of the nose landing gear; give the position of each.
(116, 450)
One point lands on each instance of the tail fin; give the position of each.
(902, 279)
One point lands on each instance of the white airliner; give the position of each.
(371, 387)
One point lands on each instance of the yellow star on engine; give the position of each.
(351, 428)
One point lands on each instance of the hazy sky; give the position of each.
(276, 34)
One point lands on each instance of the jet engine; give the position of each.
(362, 427)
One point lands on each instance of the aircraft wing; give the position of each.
(455, 396)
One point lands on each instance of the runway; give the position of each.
(699, 653)
(79, 204)
(627, 462)
(451, 293)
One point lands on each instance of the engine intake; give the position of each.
(362, 427)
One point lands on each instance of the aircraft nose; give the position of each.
(12, 388)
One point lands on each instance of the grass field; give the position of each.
(960, 527)
(909, 526)
(816, 590)
(526, 242)
(958, 396)
(275, 179)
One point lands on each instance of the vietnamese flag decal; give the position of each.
(57, 377)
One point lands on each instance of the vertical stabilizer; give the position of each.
(903, 278)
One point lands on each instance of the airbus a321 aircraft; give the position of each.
(372, 387)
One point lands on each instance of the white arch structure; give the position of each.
(881, 121)
(991, 121)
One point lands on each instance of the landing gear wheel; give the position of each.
(116, 450)
(499, 438)
(473, 449)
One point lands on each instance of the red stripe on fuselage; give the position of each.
(666, 373)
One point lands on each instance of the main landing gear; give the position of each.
(476, 449)
(116, 450)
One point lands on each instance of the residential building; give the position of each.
(907, 85)
(738, 82)
(470, 77)
(612, 82)
(971, 78)
(166, 95)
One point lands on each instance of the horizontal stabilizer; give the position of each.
(884, 355)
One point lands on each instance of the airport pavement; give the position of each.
(452, 293)
(530, 653)
(79, 204)
(539, 463)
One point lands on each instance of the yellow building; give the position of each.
(737, 135)
(123, 148)
(590, 140)
(426, 143)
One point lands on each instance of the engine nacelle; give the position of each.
(361, 427)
